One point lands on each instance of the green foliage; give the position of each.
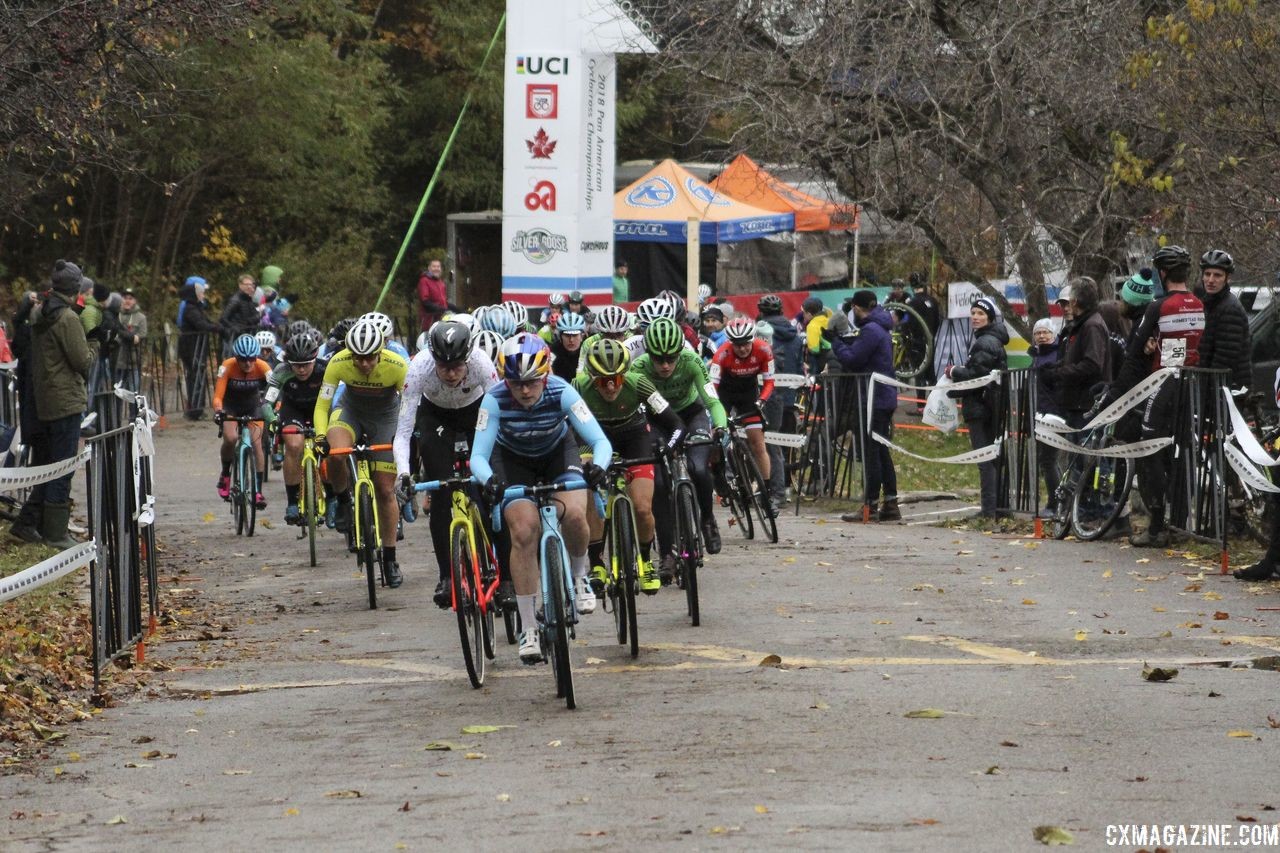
(331, 280)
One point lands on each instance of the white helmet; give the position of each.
(465, 319)
(704, 293)
(518, 312)
(382, 321)
(365, 338)
(653, 308)
(488, 342)
(421, 343)
(613, 319)
(267, 340)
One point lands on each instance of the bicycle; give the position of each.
(244, 475)
(688, 532)
(473, 567)
(312, 504)
(1093, 489)
(559, 615)
(748, 491)
(363, 532)
(912, 341)
(622, 579)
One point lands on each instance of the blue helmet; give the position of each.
(195, 279)
(246, 346)
(499, 321)
(524, 357)
(571, 323)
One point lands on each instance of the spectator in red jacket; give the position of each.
(433, 301)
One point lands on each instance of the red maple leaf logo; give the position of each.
(541, 146)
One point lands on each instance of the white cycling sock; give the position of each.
(580, 564)
(528, 610)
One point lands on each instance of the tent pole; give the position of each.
(693, 249)
(857, 241)
(795, 260)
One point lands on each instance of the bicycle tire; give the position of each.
(742, 481)
(246, 494)
(558, 621)
(309, 505)
(760, 498)
(917, 326)
(462, 569)
(613, 588)
(487, 574)
(364, 542)
(628, 579)
(237, 503)
(1093, 510)
(687, 542)
(741, 512)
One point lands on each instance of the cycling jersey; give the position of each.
(686, 386)
(240, 388)
(1178, 331)
(370, 396)
(295, 396)
(534, 431)
(736, 378)
(627, 411)
(424, 385)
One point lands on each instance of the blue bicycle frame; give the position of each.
(550, 533)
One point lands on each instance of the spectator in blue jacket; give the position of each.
(1044, 352)
(869, 349)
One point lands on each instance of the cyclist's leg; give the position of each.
(255, 434)
(755, 440)
(340, 436)
(695, 419)
(227, 452)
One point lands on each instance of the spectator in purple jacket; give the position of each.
(869, 349)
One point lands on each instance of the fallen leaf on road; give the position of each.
(406, 807)
(137, 765)
(1053, 836)
(925, 714)
(483, 730)
(117, 820)
(1239, 733)
(291, 812)
(1007, 743)
(1190, 625)
(207, 517)
(1163, 634)
(762, 809)
(1159, 610)
(594, 661)
(1272, 721)
(821, 563)
(788, 559)
(553, 743)
(1081, 636)
(1107, 573)
(1143, 560)
(343, 795)
(446, 746)
(46, 733)
(820, 706)
(1029, 601)
(770, 660)
(1212, 596)
(237, 772)
(1156, 673)
(1221, 615)
(503, 798)
(475, 755)
(993, 770)
(142, 739)
(883, 622)
(155, 753)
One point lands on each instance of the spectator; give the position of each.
(1084, 362)
(433, 298)
(713, 329)
(779, 410)
(28, 424)
(897, 291)
(240, 315)
(621, 284)
(61, 360)
(1226, 343)
(870, 350)
(927, 307)
(982, 406)
(1064, 304)
(814, 317)
(1044, 353)
(275, 311)
(107, 336)
(193, 344)
(134, 325)
(272, 279)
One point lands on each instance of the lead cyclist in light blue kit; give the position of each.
(523, 438)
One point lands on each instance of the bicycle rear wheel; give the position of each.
(462, 568)
(309, 505)
(687, 544)
(742, 481)
(249, 487)
(487, 576)
(625, 577)
(759, 491)
(365, 536)
(740, 510)
(557, 618)
(1100, 495)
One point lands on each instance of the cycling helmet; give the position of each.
(246, 346)
(653, 308)
(613, 319)
(465, 319)
(500, 321)
(193, 280)
(339, 331)
(365, 338)
(576, 296)
(421, 343)
(524, 357)
(382, 321)
(1170, 257)
(266, 339)
(740, 330)
(607, 357)
(518, 312)
(478, 315)
(674, 297)
(571, 323)
(770, 304)
(663, 337)
(297, 327)
(450, 342)
(1217, 259)
(490, 343)
(303, 347)
(704, 293)
(555, 300)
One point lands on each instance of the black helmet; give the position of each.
(303, 346)
(575, 296)
(1170, 258)
(339, 332)
(770, 304)
(1217, 259)
(297, 327)
(450, 342)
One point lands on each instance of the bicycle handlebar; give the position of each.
(451, 483)
(308, 432)
(515, 492)
(359, 448)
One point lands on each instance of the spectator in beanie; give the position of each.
(1085, 358)
(981, 406)
(1044, 352)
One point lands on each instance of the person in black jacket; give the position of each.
(981, 406)
(1085, 357)
(240, 316)
(1226, 342)
(927, 307)
(193, 344)
(779, 410)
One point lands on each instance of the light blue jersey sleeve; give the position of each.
(586, 426)
(486, 437)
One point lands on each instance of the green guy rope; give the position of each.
(431, 185)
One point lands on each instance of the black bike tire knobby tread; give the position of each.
(459, 573)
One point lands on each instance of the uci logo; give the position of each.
(542, 65)
(652, 192)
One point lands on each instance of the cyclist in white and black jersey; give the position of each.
(441, 397)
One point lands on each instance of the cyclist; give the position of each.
(292, 388)
(681, 377)
(577, 304)
(373, 376)
(555, 307)
(241, 381)
(613, 322)
(388, 328)
(441, 398)
(500, 321)
(270, 347)
(620, 401)
(337, 337)
(523, 437)
(742, 373)
(566, 348)
(647, 312)
(519, 313)
(489, 343)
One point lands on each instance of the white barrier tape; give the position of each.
(1244, 436)
(48, 570)
(972, 457)
(1255, 479)
(790, 380)
(1136, 395)
(965, 385)
(125, 394)
(785, 439)
(147, 514)
(9, 365)
(1133, 450)
(25, 478)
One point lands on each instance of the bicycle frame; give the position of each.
(465, 514)
(541, 494)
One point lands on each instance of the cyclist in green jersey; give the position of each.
(624, 403)
(681, 377)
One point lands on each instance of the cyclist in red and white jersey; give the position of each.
(742, 373)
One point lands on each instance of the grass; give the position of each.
(915, 475)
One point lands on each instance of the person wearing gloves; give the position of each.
(982, 406)
(869, 349)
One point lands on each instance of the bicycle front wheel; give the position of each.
(739, 509)
(1100, 495)
(743, 465)
(366, 534)
(249, 487)
(309, 505)
(558, 613)
(912, 342)
(624, 577)
(689, 552)
(759, 491)
(467, 606)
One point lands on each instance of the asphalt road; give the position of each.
(295, 718)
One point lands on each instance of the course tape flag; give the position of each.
(790, 380)
(1244, 436)
(972, 457)
(1134, 450)
(48, 570)
(1135, 396)
(1249, 474)
(25, 478)
(982, 454)
(785, 439)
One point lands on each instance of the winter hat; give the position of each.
(271, 276)
(987, 307)
(112, 301)
(813, 305)
(1139, 289)
(713, 311)
(1044, 323)
(86, 284)
(65, 278)
(764, 331)
(101, 291)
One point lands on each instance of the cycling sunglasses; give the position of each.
(608, 381)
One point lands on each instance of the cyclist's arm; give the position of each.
(710, 398)
(766, 388)
(585, 424)
(324, 402)
(220, 390)
(661, 412)
(408, 417)
(486, 438)
(714, 369)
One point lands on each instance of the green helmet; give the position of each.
(663, 337)
(607, 357)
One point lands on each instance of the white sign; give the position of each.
(960, 298)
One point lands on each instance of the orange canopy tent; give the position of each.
(744, 180)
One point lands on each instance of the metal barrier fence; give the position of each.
(1198, 475)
